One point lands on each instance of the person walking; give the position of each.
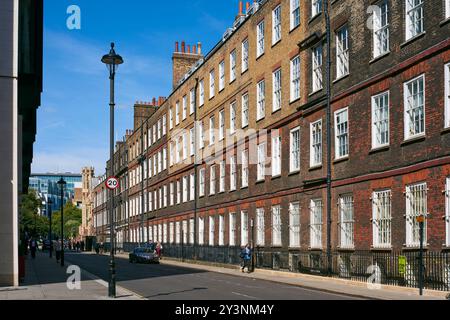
(57, 246)
(246, 256)
(158, 249)
(33, 247)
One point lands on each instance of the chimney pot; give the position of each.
(183, 47)
(189, 48)
(194, 49)
(199, 46)
(240, 8)
(177, 48)
(247, 7)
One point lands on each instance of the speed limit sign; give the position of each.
(112, 183)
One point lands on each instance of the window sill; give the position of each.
(380, 248)
(314, 92)
(274, 44)
(232, 81)
(314, 17)
(294, 28)
(258, 120)
(220, 91)
(381, 56)
(316, 167)
(341, 159)
(243, 127)
(442, 23)
(346, 249)
(258, 57)
(445, 131)
(420, 35)
(279, 246)
(341, 77)
(260, 181)
(446, 247)
(294, 172)
(413, 140)
(245, 71)
(414, 248)
(210, 98)
(275, 111)
(294, 101)
(379, 149)
(244, 187)
(276, 177)
(315, 248)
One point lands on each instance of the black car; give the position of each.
(143, 255)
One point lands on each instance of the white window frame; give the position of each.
(233, 173)
(412, 106)
(201, 88)
(212, 226)
(295, 78)
(380, 29)
(294, 225)
(221, 75)
(261, 165)
(212, 180)
(346, 221)
(185, 189)
(177, 232)
(192, 102)
(232, 66)
(192, 141)
(172, 193)
(342, 52)
(192, 187)
(261, 100)
(244, 228)
(212, 138)
(184, 113)
(380, 120)
(233, 117)
(260, 39)
(276, 156)
(178, 191)
(165, 196)
(244, 110)
(164, 125)
(171, 232)
(294, 14)
(177, 113)
(212, 84)
(201, 182)
(221, 125)
(244, 169)
(317, 72)
(191, 231)
(294, 150)
(232, 229)
(341, 135)
(315, 143)
(316, 7)
(414, 208)
(316, 223)
(276, 25)
(260, 227)
(414, 17)
(276, 226)
(447, 212)
(170, 122)
(222, 176)
(201, 231)
(381, 219)
(221, 230)
(447, 91)
(244, 58)
(276, 90)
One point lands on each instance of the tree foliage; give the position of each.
(31, 222)
(72, 221)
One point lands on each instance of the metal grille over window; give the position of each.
(381, 219)
(260, 226)
(294, 225)
(416, 205)
(276, 226)
(316, 224)
(346, 221)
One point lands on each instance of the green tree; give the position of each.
(72, 221)
(30, 221)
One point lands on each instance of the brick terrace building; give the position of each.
(261, 174)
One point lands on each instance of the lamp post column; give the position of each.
(62, 224)
(112, 266)
(49, 203)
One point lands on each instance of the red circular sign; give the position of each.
(112, 183)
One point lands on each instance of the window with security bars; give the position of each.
(221, 125)
(260, 225)
(414, 18)
(221, 230)
(381, 219)
(177, 232)
(221, 75)
(212, 180)
(211, 84)
(295, 78)
(244, 168)
(201, 230)
(261, 166)
(317, 75)
(171, 232)
(316, 143)
(380, 120)
(316, 7)
(160, 233)
(244, 228)
(295, 13)
(185, 231)
(294, 225)
(222, 176)
(276, 226)
(165, 233)
(244, 66)
(346, 221)
(416, 205)
(276, 85)
(261, 100)
(276, 24)
(342, 52)
(244, 110)
(211, 230)
(191, 231)
(294, 161)
(276, 156)
(232, 240)
(341, 133)
(260, 39)
(414, 97)
(447, 93)
(447, 212)
(232, 65)
(233, 173)
(202, 182)
(380, 29)
(315, 227)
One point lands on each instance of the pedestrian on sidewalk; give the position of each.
(158, 249)
(33, 247)
(246, 256)
(58, 250)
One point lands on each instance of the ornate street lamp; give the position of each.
(112, 62)
(49, 210)
(62, 183)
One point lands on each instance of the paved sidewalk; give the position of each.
(333, 285)
(46, 280)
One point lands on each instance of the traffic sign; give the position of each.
(112, 183)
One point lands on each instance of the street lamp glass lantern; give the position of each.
(61, 183)
(112, 60)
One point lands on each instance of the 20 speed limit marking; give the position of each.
(112, 183)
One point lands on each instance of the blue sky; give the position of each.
(73, 120)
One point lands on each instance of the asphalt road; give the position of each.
(166, 282)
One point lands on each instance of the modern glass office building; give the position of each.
(46, 186)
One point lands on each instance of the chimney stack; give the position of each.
(247, 7)
(182, 61)
(177, 48)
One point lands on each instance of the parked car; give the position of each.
(143, 255)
